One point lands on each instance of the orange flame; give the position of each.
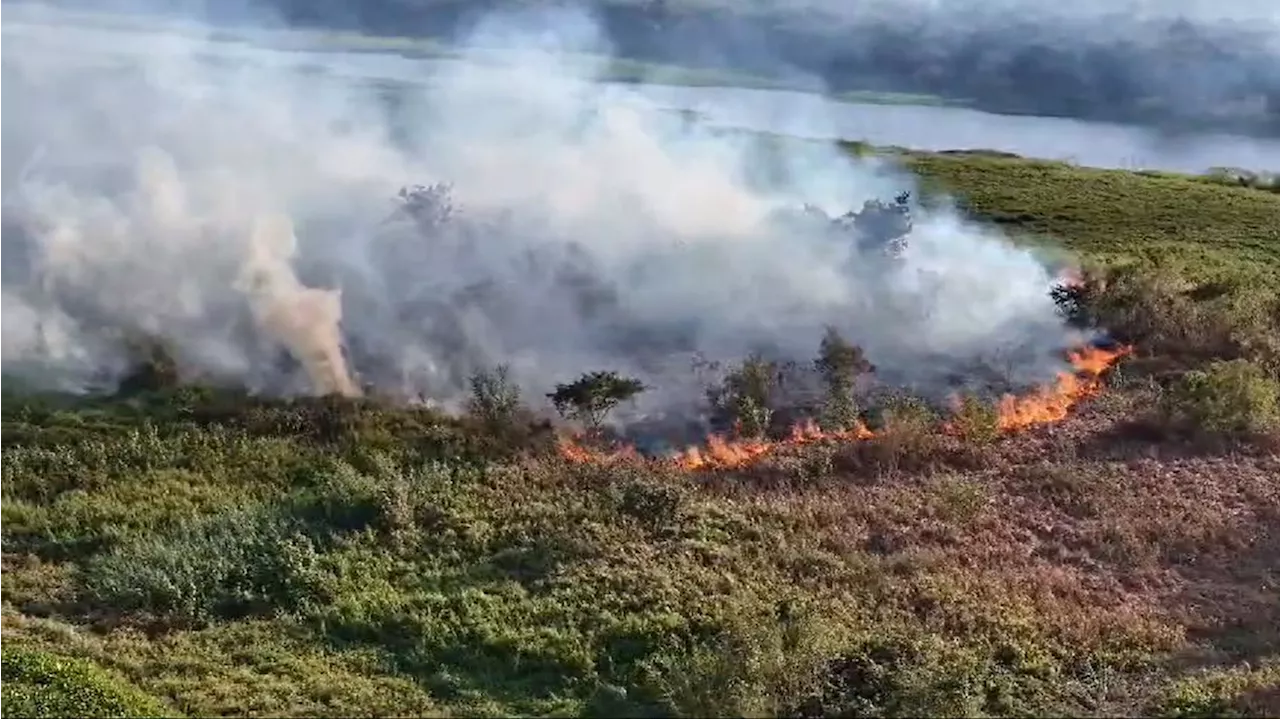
(1052, 403)
(1045, 405)
(573, 450)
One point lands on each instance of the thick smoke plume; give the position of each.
(247, 213)
(304, 319)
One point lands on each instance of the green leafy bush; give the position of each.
(976, 420)
(1167, 315)
(1225, 398)
(1235, 692)
(744, 398)
(234, 565)
(40, 684)
(906, 437)
(839, 364)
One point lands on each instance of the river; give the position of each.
(922, 127)
(800, 114)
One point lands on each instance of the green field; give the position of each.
(184, 551)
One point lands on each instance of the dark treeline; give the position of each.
(1175, 73)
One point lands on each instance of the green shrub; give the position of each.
(744, 397)
(234, 565)
(906, 437)
(756, 664)
(975, 420)
(896, 670)
(959, 499)
(1166, 315)
(348, 500)
(1225, 398)
(1235, 692)
(155, 367)
(40, 684)
(1152, 308)
(839, 364)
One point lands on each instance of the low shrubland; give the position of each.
(188, 550)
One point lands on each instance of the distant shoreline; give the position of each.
(619, 69)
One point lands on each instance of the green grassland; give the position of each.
(1199, 224)
(184, 551)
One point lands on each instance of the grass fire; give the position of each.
(503, 390)
(1044, 405)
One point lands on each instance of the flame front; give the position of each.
(1045, 405)
(572, 449)
(1050, 404)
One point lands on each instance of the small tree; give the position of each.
(154, 367)
(882, 226)
(495, 399)
(745, 395)
(840, 363)
(428, 206)
(592, 396)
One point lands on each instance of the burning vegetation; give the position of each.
(746, 396)
(1011, 413)
(625, 439)
(818, 537)
(761, 406)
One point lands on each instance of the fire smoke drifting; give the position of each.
(1045, 405)
(216, 197)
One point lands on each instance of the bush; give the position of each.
(900, 673)
(39, 684)
(744, 398)
(1151, 308)
(495, 399)
(839, 364)
(1234, 692)
(1226, 398)
(906, 439)
(504, 426)
(756, 664)
(975, 420)
(1165, 315)
(234, 565)
(155, 367)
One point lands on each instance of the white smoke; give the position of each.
(216, 197)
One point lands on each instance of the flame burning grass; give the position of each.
(1046, 405)
(1052, 403)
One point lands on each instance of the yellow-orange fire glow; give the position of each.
(1050, 404)
(1045, 405)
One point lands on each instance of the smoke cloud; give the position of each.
(247, 214)
(1179, 64)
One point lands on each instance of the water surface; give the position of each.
(800, 114)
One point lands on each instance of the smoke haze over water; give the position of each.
(1181, 65)
(243, 213)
